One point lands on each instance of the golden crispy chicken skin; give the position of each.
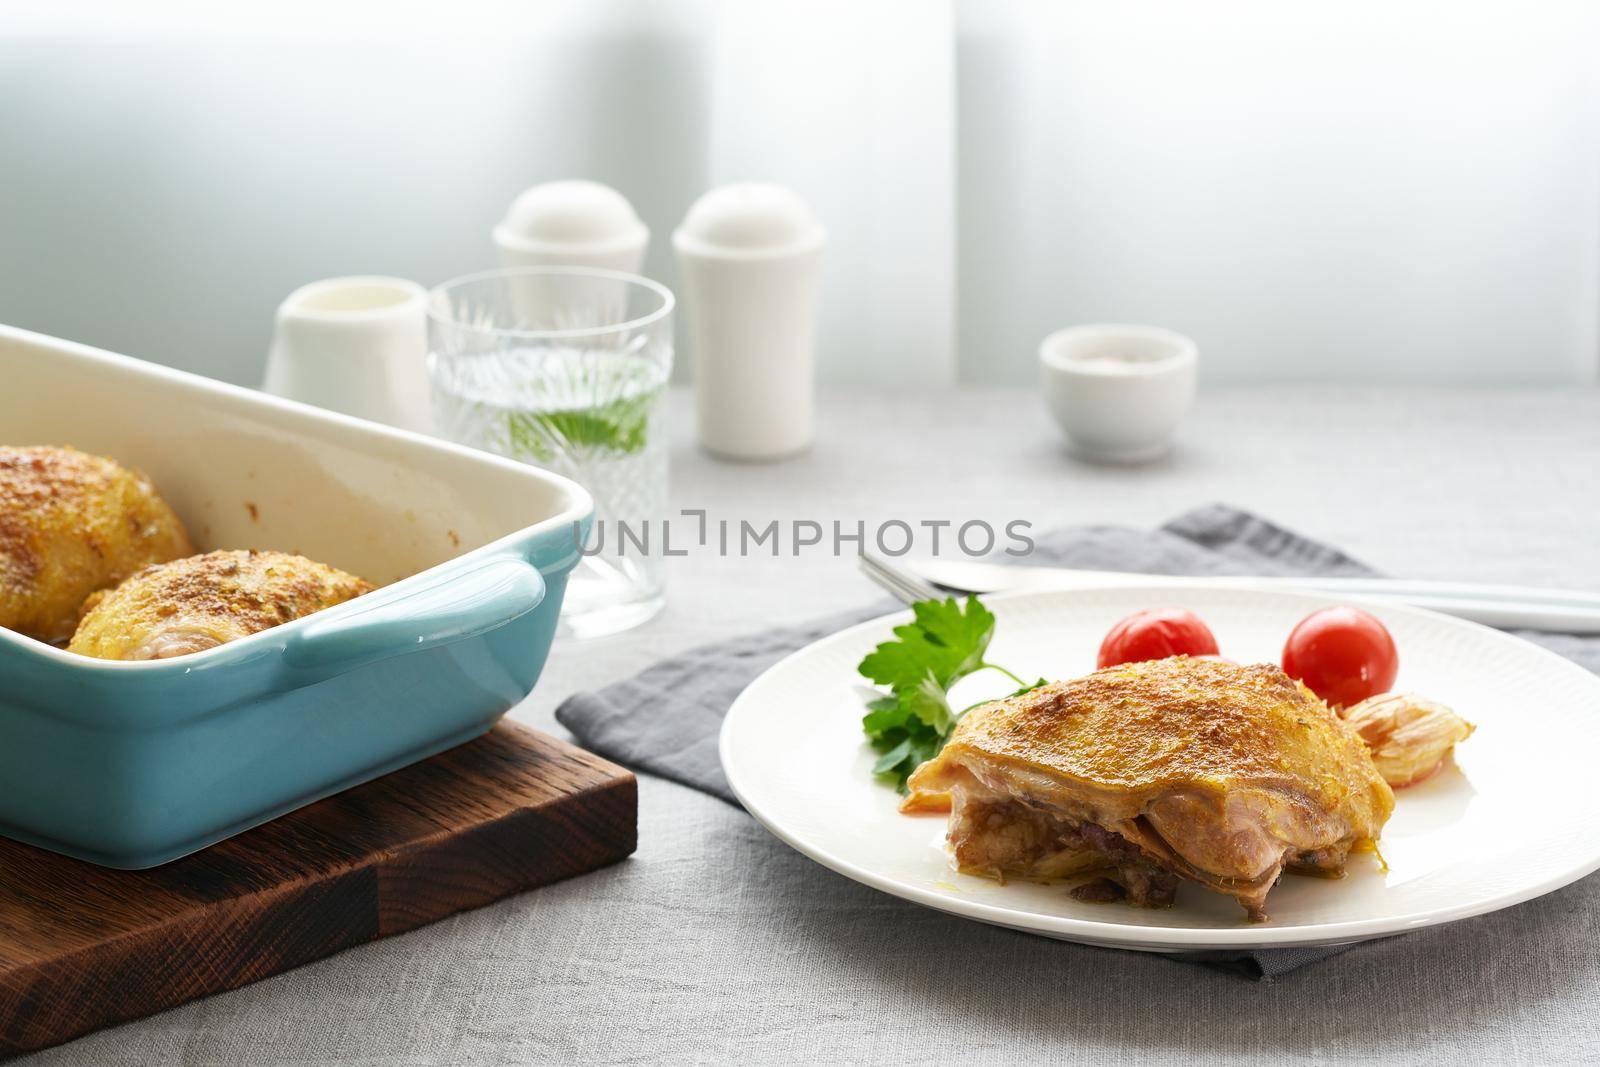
(1154, 772)
(72, 523)
(173, 609)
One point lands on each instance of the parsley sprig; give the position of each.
(943, 644)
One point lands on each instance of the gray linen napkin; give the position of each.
(665, 720)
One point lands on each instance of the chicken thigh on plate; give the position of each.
(1173, 770)
(189, 605)
(72, 523)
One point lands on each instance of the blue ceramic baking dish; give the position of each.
(133, 764)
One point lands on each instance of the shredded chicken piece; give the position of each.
(1409, 735)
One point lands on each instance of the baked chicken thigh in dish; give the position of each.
(1155, 773)
(173, 609)
(72, 523)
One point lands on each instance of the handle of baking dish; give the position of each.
(457, 606)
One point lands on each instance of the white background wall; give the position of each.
(1361, 192)
(1367, 190)
(167, 177)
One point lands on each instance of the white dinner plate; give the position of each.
(1518, 815)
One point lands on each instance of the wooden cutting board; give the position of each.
(83, 947)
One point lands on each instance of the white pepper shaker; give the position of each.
(749, 260)
(572, 224)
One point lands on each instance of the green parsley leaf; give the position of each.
(926, 700)
(907, 755)
(910, 724)
(942, 640)
(883, 715)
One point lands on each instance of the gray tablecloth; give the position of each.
(770, 958)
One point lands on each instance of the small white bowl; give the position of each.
(1118, 392)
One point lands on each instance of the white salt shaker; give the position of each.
(749, 259)
(572, 224)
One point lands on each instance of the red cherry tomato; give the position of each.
(1343, 654)
(1156, 634)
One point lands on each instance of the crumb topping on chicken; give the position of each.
(70, 524)
(173, 609)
